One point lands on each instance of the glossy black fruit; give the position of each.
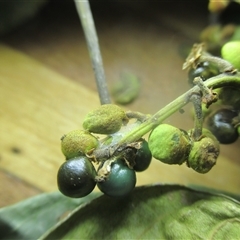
(120, 181)
(220, 124)
(205, 70)
(76, 177)
(143, 157)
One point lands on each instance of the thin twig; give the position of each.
(209, 96)
(86, 18)
(196, 99)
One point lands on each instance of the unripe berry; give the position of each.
(231, 52)
(204, 153)
(78, 143)
(107, 119)
(169, 144)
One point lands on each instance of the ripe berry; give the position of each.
(120, 181)
(205, 70)
(143, 157)
(220, 124)
(76, 177)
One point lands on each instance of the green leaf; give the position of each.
(31, 218)
(214, 191)
(156, 212)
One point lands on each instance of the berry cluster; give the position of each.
(116, 167)
(116, 170)
(110, 149)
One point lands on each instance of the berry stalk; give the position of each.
(156, 119)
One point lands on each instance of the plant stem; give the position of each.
(156, 119)
(196, 99)
(84, 12)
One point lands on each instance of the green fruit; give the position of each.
(169, 144)
(120, 181)
(107, 119)
(76, 177)
(204, 153)
(231, 52)
(78, 143)
(143, 157)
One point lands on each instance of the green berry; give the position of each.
(120, 181)
(76, 177)
(204, 153)
(169, 144)
(231, 52)
(78, 143)
(143, 157)
(107, 119)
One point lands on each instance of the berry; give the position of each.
(120, 181)
(231, 52)
(143, 157)
(220, 124)
(107, 119)
(76, 177)
(204, 153)
(204, 70)
(169, 144)
(78, 143)
(229, 96)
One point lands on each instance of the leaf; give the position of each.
(214, 191)
(156, 212)
(31, 218)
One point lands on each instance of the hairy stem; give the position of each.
(86, 18)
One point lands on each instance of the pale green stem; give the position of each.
(85, 15)
(156, 119)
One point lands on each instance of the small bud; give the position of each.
(169, 144)
(107, 119)
(78, 143)
(204, 153)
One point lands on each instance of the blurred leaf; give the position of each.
(31, 218)
(126, 89)
(217, 6)
(156, 212)
(15, 13)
